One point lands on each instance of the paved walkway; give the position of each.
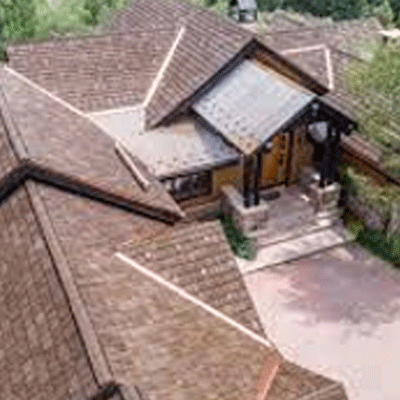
(337, 313)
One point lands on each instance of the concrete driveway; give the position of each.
(337, 313)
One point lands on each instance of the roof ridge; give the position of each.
(154, 122)
(264, 341)
(164, 65)
(101, 369)
(334, 27)
(58, 39)
(328, 59)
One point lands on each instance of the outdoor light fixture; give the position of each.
(318, 131)
(314, 109)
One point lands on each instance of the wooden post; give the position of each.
(257, 178)
(326, 157)
(246, 180)
(335, 156)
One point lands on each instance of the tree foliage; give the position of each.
(377, 87)
(386, 10)
(26, 19)
(95, 8)
(18, 19)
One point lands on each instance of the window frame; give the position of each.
(205, 188)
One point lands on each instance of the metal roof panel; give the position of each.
(252, 103)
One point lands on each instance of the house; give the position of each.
(108, 289)
(223, 107)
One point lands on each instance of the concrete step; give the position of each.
(293, 225)
(271, 236)
(296, 248)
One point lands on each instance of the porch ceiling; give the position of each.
(251, 104)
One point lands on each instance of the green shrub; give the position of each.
(387, 248)
(239, 243)
(364, 188)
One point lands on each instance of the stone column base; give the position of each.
(324, 198)
(248, 219)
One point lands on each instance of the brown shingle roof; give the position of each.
(41, 351)
(97, 72)
(149, 335)
(170, 46)
(208, 44)
(315, 59)
(8, 157)
(294, 382)
(197, 258)
(343, 37)
(70, 145)
(342, 40)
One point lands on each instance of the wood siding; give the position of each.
(302, 153)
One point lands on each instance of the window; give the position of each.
(191, 185)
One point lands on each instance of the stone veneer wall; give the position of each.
(248, 219)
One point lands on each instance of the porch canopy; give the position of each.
(251, 104)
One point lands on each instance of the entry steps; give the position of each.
(293, 249)
(293, 226)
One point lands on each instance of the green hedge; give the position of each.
(239, 243)
(382, 198)
(383, 243)
(377, 242)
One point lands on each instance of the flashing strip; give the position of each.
(164, 67)
(328, 57)
(302, 49)
(115, 110)
(58, 99)
(46, 92)
(315, 395)
(155, 277)
(137, 174)
(329, 67)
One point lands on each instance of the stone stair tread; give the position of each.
(269, 238)
(296, 248)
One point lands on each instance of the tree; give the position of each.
(384, 13)
(376, 85)
(17, 19)
(95, 9)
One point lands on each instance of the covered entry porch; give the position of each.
(279, 127)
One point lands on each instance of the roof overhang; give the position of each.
(251, 104)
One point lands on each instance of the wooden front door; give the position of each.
(301, 153)
(275, 162)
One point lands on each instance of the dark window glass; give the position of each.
(187, 186)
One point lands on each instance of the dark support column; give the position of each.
(247, 169)
(335, 156)
(326, 158)
(257, 178)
